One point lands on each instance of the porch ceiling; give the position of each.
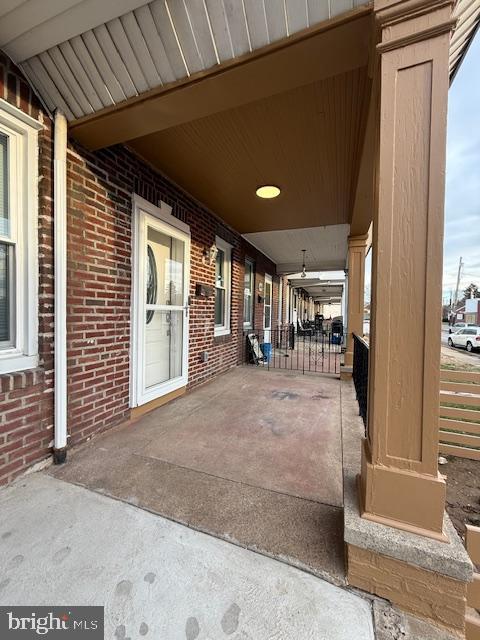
(221, 95)
(306, 141)
(320, 290)
(326, 247)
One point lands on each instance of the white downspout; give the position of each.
(60, 279)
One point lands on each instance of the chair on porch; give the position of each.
(255, 353)
(302, 330)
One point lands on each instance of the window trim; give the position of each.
(22, 131)
(224, 329)
(249, 325)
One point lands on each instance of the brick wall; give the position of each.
(99, 282)
(26, 398)
(99, 230)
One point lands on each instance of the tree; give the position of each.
(472, 291)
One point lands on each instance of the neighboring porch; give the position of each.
(254, 457)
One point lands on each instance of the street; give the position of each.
(457, 356)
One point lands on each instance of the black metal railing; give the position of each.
(308, 350)
(360, 374)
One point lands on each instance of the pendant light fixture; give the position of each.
(304, 271)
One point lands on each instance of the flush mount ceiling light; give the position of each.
(268, 191)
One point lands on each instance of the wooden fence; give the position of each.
(460, 413)
(472, 619)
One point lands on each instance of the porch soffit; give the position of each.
(326, 250)
(85, 55)
(319, 290)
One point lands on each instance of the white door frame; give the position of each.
(268, 330)
(280, 302)
(146, 214)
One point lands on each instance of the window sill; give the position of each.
(220, 331)
(13, 362)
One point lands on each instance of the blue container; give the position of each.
(267, 350)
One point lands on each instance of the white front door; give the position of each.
(267, 310)
(160, 310)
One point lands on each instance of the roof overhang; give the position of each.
(467, 13)
(85, 56)
(222, 97)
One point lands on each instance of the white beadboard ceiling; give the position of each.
(84, 55)
(326, 247)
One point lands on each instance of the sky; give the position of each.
(462, 198)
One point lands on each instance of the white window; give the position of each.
(223, 281)
(18, 240)
(248, 289)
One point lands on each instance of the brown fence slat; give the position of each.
(460, 376)
(460, 438)
(461, 414)
(472, 542)
(458, 425)
(460, 387)
(471, 401)
(460, 452)
(473, 592)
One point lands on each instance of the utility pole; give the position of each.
(455, 299)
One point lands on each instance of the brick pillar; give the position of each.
(357, 246)
(400, 484)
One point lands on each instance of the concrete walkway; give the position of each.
(64, 545)
(253, 457)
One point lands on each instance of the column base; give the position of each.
(424, 577)
(346, 372)
(348, 359)
(429, 595)
(402, 499)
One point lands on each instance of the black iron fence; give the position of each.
(308, 350)
(360, 374)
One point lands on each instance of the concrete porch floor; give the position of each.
(64, 545)
(253, 457)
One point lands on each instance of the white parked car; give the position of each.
(460, 325)
(468, 338)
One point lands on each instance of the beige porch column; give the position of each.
(400, 484)
(357, 246)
